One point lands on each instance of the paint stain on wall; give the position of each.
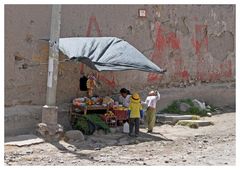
(93, 25)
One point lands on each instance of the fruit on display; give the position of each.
(120, 108)
(109, 114)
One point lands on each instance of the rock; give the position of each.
(110, 142)
(99, 132)
(184, 107)
(199, 104)
(119, 129)
(74, 135)
(166, 162)
(29, 152)
(113, 130)
(209, 114)
(208, 107)
(61, 161)
(72, 148)
(182, 85)
(123, 141)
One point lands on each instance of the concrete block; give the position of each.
(194, 123)
(173, 118)
(50, 114)
(23, 140)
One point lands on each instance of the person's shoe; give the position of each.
(131, 135)
(149, 131)
(136, 135)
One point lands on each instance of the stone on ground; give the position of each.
(199, 104)
(184, 107)
(74, 135)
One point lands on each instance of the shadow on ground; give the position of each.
(94, 143)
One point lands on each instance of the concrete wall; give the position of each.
(195, 43)
(22, 119)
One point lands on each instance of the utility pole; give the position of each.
(53, 55)
(49, 128)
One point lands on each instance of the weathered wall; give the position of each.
(22, 119)
(196, 43)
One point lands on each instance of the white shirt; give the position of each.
(151, 101)
(125, 101)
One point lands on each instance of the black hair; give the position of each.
(124, 90)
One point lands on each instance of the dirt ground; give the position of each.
(168, 145)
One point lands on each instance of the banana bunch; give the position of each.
(109, 114)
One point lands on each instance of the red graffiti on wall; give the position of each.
(185, 74)
(206, 68)
(111, 83)
(93, 23)
(173, 41)
(226, 69)
(162, 42)
(200, 41)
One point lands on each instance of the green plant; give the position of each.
(97, 121)
(84, 125)
(88, 123)
(174, 108)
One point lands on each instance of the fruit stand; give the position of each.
(113, 115)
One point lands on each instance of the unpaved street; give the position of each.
(169, 145)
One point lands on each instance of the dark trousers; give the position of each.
(132, 122)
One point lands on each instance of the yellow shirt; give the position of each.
(135, 107)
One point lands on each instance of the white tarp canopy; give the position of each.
(106, 54)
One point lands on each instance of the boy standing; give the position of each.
(135, 112)
(151, 102)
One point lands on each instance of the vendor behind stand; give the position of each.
(91, 83)
(124, 98)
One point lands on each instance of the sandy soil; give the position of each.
(168, 145)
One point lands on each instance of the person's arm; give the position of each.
(129, 111)
(127, 100)
(158, 95)
(145, 102)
